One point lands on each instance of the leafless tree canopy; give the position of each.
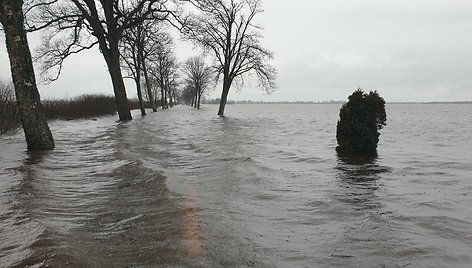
(164, 66)
(226, 30)
(140, 45)
(197, 78)
(76, 25)
(37, 133)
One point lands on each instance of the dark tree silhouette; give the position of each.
(198, 78)
(360, 119)
(187, 95)
(9, 115)
(132, 55)
(76, 25)
(163, 68)
(225, 29)
(37, 133)
(140, 43)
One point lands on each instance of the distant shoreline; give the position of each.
(336, 102)
(433, 102)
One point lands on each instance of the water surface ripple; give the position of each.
(262, 187)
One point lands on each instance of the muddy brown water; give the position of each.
(262, 187)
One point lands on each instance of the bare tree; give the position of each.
(188, 95)
(172, 83)
(37, 132)
(225, 29)
(132, 54)
(198, 77)
(140, 43)
(164, 67)
(76, 25)
(152, 85)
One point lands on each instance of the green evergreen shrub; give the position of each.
(360, 120)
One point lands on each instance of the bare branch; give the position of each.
(225, 29)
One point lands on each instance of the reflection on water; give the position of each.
(192, 224)
(19, 234)
(358, 178)
(361, 211)
(262, 187)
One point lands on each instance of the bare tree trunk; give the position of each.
(137, 80)
(163, 97)
(199, 96)
(120, 93)
(174, 96)
(140, 94)
(37, 133)
(112, 58)
(224, 97)
(138, 83)
(171, 101)
(148, 87)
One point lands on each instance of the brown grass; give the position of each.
(9, 116)
(85, 106)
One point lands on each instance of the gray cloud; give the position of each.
(413, 50)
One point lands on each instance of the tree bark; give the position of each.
(37, 133)
(137, 80)
(162, 96)
(119, 90)
(171, 101)
(111, 55)
(140, 93)
(165, 98)
(199, 95)
(224, 96)
(175, 98)
(148, 88)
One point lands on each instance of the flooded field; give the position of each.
(262, 187)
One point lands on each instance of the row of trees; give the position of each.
(132, 36)
(36, 129)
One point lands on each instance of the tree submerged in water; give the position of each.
(361, 118)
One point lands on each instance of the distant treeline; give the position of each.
(434, 102)
(217, 101)
(85, 106)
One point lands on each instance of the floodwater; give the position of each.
(262, 187)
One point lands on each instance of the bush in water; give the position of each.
(361, 118)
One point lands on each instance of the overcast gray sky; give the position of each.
(408, 50)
